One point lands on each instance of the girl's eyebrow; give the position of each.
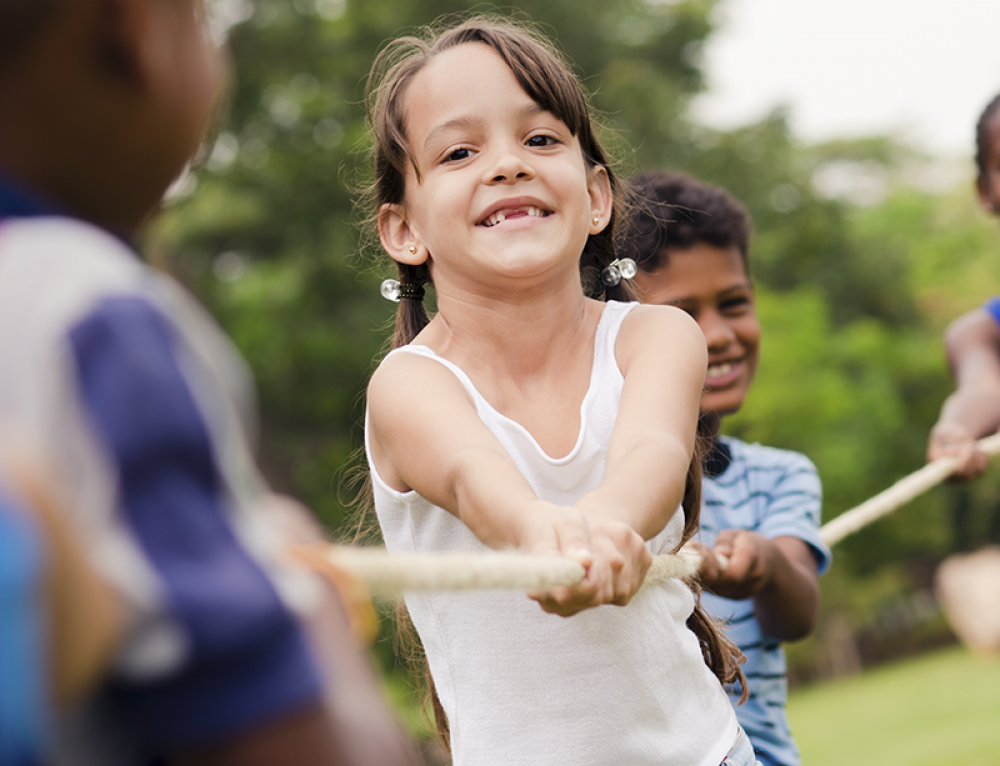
(465, 122)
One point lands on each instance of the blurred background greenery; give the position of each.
(858, 267)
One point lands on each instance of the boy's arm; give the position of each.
(778, 563)
(972, 343)
(781, 575)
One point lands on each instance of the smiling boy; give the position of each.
(761, 506)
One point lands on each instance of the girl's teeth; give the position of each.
(496, 218)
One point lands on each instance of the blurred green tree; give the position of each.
(855, 286)
(270, 239)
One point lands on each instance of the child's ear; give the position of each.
(398, 238)
(130, 41)
(982, 189)
(601, 199)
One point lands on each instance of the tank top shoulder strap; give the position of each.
(608, 328)
(429, 353)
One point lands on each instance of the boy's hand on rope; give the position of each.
(950, 439)
(747, 568)
(615, 558)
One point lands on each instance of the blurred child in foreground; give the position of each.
(58, 620)
(137, 412)
(760, 505)
(972, 341)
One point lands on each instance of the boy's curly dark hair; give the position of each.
(673, 211)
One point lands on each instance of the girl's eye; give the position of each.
(541, 140)
(458, 154)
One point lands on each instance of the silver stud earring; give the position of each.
(619, 268)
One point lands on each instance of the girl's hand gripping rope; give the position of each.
(616, 559)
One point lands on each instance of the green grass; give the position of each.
(940, 709)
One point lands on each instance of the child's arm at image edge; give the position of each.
(972, 343)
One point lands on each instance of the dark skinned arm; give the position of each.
(972, 343)
(780, 575)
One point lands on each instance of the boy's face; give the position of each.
(988, 184)
(712, 285)
(186, 80)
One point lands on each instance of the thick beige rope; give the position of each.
(391, 574)
(900, 493)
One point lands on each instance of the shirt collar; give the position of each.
(718, 459)
(16, 202)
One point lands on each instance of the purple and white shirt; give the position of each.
(139, 410)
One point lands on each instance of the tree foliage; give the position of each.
(853, 298)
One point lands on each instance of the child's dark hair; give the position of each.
(543, 74)
(983, 139)
(548, 80)
(20, 21)
(673, 211)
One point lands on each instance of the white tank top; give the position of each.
(611, 686)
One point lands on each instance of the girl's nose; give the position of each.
(510, 166)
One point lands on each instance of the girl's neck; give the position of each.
(516, 335)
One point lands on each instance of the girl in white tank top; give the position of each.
(527, 415)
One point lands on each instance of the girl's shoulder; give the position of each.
(664, 327)
(412, 374)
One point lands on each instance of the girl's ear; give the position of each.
(601, 199)
(398, 239)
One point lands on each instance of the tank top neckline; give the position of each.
(612, 314)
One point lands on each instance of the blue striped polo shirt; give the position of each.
(775, 493)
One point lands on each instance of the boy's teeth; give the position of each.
(718, 370)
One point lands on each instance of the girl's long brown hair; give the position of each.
(548, 80)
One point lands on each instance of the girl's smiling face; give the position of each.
(712, 285)
(500, 189)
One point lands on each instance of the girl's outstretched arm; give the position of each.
(662, 355)
(425, 435)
